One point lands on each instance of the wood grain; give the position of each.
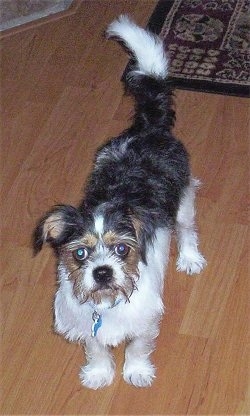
(62, 98)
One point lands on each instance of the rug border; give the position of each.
(155, 24)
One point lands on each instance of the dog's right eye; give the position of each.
(80, 254)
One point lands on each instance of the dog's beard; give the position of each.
(85, 289)
(109, 293)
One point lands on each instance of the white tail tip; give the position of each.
(146, 47)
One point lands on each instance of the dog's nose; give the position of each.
(103, 274)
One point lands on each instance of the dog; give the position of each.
(112, 249)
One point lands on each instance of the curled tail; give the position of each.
(147, 80)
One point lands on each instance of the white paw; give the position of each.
(140, 374)
(191, 262)
(98, 375)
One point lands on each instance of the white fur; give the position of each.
(100, 370)
(147, 47)
(190, 260)
(137, 320)
(99, 224)
(138, 369)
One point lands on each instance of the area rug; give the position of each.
(207, 43)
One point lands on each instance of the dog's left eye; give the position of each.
(80, 254)
(121, 249)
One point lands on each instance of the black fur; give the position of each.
(139, 174)
(145, 169)
(73, 226)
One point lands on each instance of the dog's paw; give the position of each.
(192, 262)
(96, 376)
(139, 374)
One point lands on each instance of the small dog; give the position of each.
(113, 249)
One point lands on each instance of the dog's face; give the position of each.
(99, 251)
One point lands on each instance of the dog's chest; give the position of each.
(123, 322)
(77, 322)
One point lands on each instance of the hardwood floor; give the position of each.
(61, 98)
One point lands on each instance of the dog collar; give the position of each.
(97, 318)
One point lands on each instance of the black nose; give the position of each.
(103, 274)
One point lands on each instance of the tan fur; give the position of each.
(137, 224)
(53, 226)
(110, 238)
(89, 240)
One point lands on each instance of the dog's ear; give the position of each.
(59, 225)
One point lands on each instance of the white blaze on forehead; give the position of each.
(99, 224)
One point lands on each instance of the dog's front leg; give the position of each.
(138, 369)
(100, 368)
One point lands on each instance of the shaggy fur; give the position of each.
(112, 250)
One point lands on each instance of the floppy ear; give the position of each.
(57, 227)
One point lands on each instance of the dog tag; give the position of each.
(97, 323)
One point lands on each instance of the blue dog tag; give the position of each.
(97, 323)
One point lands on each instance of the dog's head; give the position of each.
(98, 250)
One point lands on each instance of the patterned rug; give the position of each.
(207, 43)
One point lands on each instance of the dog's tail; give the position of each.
(147, 79)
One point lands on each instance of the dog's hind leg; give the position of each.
(189, 260)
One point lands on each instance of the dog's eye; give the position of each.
(80, 254)
(121, 249)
